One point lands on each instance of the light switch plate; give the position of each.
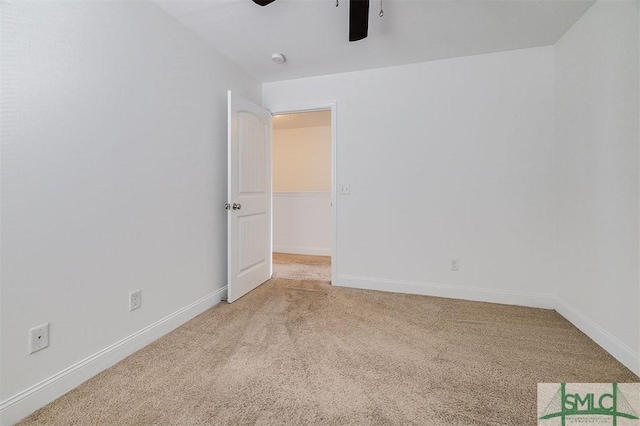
(454, 264)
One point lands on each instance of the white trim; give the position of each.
(618, 349)
(311, 251)
(24, 403)
(317, 194)
(448, 291)
(602, 337)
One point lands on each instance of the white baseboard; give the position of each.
(303, 194)
(449, 291)
(602, 337)
(312, 251)
(24, 403)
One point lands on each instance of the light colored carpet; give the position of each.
(303, 352)
(298, 267)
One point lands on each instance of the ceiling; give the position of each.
(302, 119)
(313, 34)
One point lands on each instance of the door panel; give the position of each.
(252, 237)
(252, 154)
(249, 197)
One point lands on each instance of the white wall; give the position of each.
(446, 159)
(302, 159)
(597, 177)
(113, 179)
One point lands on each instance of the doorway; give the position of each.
(303, 198)
(250, 196)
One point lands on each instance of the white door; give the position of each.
(248, 197)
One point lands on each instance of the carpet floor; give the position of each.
(302, 352)
(299, 267)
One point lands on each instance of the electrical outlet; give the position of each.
(454, 265)
(135, 300)
(38, 338)
(344, 189)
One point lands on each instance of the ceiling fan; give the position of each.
(358, 17)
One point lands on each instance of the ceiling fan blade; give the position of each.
(263, 2)
(358, 19)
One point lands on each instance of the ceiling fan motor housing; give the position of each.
(358, 19)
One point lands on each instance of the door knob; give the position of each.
(236, 206)
(227, 206)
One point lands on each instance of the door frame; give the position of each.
(292, 109)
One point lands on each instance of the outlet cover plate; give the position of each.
(135, 300)
(38, 338)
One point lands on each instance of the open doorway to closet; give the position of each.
(303, 229)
